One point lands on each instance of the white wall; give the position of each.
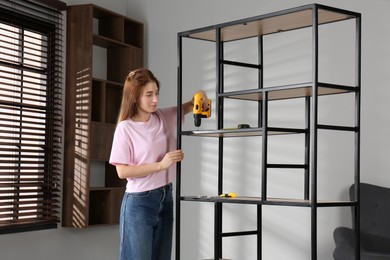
(284, 228)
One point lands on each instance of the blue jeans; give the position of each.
(146, 222)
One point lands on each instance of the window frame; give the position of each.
(33, 204)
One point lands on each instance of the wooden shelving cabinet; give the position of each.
(92, 190)
(309, 17)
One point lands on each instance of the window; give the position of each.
(30, 115)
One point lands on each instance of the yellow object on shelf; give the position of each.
(228, 195)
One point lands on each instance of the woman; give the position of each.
(144, 152)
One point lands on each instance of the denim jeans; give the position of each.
(146, 222)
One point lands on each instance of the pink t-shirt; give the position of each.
(137, 143)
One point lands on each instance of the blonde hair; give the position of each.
(134, 83)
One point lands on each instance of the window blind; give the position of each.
(30, 115)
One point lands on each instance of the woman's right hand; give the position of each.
(171, 158)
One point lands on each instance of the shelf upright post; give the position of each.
(357, 136)
(306, 193)
(263, 123)
(264, 167)
(220, 117)
(264, 160)
(260, 124)
(314, 132)
(309, 128)
(260, 78)
(179, 129)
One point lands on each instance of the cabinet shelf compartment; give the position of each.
(113, 30)
(113, 101)
(108, 24)
(98, 100)
(104, 205)
(133, 33)
(111, 178)
(288, 92)
(105, 100)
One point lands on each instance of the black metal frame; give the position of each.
(310, 132)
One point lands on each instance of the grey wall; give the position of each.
(287, 228)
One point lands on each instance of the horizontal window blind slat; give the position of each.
(41, 140)
(9, 71)
(23, 105)
(30, 197)
(18, 66)
(10, 51)
(43, 207)
(29, 145)
(28, 211)
(19, 91)
(28, 173)
(22, 129)
(13, 44)
(40, 214)
(31, 181)
(23, 185)
(22, 190)
(22, 168)
(24, 204)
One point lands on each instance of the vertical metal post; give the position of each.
(264, 170)
(260, 78)
(264, 125)
(314, 133)
(178, 165)
(357, 136)
(220, 116)
(306, 194)
(260, 124)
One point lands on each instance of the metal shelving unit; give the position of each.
(308, 16)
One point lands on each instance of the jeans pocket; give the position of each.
(141, 194)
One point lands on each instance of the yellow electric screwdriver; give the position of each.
(199, 111)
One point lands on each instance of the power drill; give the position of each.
(198, 111)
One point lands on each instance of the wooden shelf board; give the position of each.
(242, 132)
(269, 201)
(268, 24)
(106, 42)
(289, 92)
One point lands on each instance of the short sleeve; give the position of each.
(121, 150)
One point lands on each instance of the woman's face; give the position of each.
(148, 100)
